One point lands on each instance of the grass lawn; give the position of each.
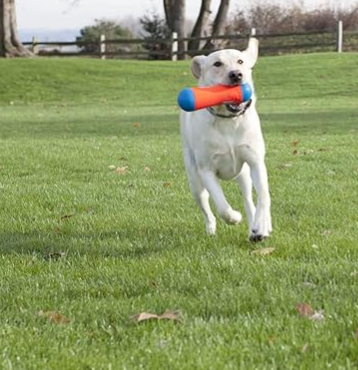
(97, 223)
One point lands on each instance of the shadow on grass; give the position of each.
(312, 123)
(123, 244)
(337, 122)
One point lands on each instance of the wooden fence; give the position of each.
(147, 48)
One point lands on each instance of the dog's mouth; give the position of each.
(235, 108)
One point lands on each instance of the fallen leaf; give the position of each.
(317, 316)
(167, 184)
(167, 315)
(122, 170)
(294, 142)
(54, 317)
(304, 348)
(326, 232)
(57, 230)
(170, 315)
(262, 251)
(295, 152)
(354, 274)
(304, 309)
(308, 284)
(54, 256)
(284, 166)
(136, 125)
(324, 149)
(66, 217)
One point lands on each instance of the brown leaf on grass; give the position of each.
(324, 149)
(326, 232)
(263, 251)
(317, 316)
(136, 125)
(66, 217)
(167, 184)
(122, 170)
(308, 284)
(354, 274)
(284, 166)
(57, 230)
(305, 310)
(294, 142)
(295, 152)
(54, 316)
(167, 315)
(304, 348)
(54, 256)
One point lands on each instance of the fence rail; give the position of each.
(149, 48)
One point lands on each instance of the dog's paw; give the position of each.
(256, 237)
(211, 228)
(262, 227)
(231, 217)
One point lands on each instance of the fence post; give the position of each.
(340, 37)
(253, 32)
(35, 47)
(102, 46)
(174, 52)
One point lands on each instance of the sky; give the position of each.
(59, 14)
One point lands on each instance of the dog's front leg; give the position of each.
(212, 185)
(262, 222)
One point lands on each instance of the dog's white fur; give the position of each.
(227, 148)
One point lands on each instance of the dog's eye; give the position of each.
(240, 61)
(218, 64)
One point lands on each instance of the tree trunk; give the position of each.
(169, 12)
(175, 17)
(179, 26)
(200, 26)
(10, 45)
(218, 26)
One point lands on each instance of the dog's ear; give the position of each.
(197, 65)
(253, 50)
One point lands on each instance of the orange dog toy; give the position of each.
(191, 99)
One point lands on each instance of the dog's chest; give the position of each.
(225, 152)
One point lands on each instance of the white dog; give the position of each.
(225, 142)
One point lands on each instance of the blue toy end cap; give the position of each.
(186, 100)
(246, 92)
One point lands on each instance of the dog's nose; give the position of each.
(235, 76)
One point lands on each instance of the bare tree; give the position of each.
(175, 17)
(218, 25)
(10, 45)
(173, 8)
(200, 25)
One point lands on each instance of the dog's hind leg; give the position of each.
(200, 194)
(245, 182)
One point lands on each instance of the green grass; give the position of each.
(136, 242)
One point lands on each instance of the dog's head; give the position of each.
(226, 67)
